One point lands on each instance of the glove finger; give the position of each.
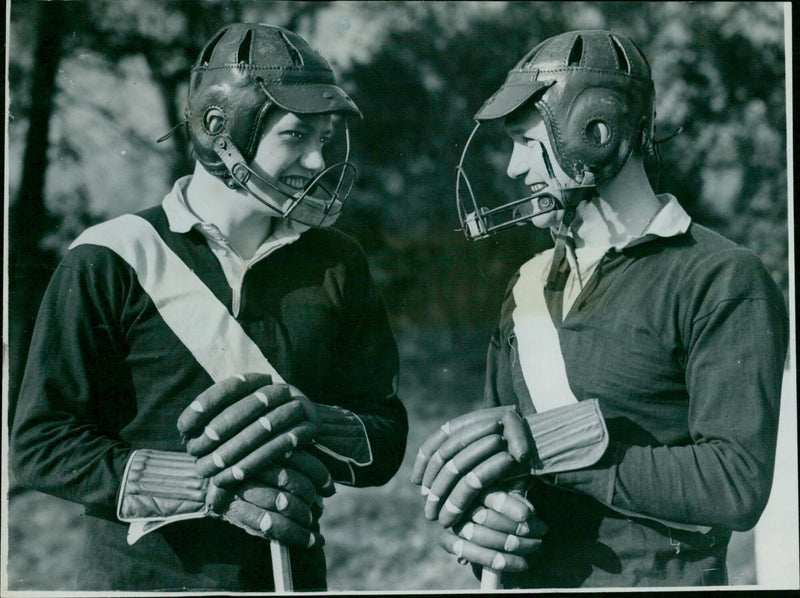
(313, 469)
(215, 398)
(455, 443)
(435, 440)
(253, 436)
(272, 499)
(495, 468)
(533, 528)
(289, 480)
(480, 555)
(511, 504)
(464, 461)
(271, 525)
(235, 418)
(499, 541)
(317, 508)
(218, 499)
(267, 453)
(517, 435)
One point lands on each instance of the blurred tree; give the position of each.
(419, 71)
(168, 35)
(720, 74)
(29, 265)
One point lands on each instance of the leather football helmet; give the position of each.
(243, 71)
(594, 91)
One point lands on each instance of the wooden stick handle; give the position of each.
(490, 579)
(281, 567)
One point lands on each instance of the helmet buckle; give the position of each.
(240, 172)
(547, 202)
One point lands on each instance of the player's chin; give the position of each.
(549, 220)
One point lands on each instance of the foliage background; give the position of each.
(93, 83)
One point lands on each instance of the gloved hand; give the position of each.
(161, 487)
(243, 423)
(480, 449)
(498, 533)
(312, 468)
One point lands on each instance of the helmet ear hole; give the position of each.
(597, 132)
(593, 132)
(214, 120)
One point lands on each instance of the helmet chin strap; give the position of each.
(568, 196)
(481, 222)
(564, 242)
(301, 207)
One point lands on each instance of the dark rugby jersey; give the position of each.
(683, 341)
(106, 375)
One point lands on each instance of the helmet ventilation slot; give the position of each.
(622, 59)
(206, 58)
(294, 53)
(243, 55)
(574, 58)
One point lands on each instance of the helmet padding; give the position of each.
(596, 96)
(241, 72)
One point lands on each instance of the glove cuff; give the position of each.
(566, 438)
(342, 435)
(160, 487)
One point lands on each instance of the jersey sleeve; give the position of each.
(735, 331)
(73, 398)
(365, 424)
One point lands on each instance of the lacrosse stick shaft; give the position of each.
(490, 579)
(281, 567)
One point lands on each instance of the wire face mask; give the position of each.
(319, 203)
(481, 218)
(595, 94)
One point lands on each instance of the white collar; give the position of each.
(182, 219)
(670, 220)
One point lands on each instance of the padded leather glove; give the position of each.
(480, 449)
(161, 487)
(312, 468)
(499, 533)
(242, 423)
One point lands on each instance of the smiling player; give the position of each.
(203, 371)
(643, 355)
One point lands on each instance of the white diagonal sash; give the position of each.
(202, 323)
(538, 347)
(540, 357)
(187, 306)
